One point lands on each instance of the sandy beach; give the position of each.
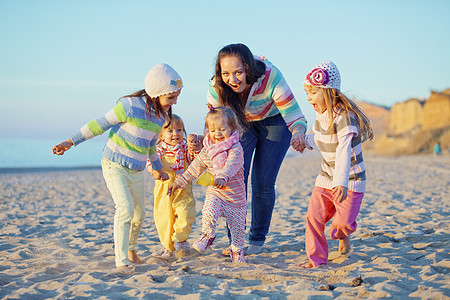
(56, 240)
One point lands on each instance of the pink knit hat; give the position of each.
(325, 75)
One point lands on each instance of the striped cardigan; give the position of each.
(269, 96)
(234, 192)
(133, 136)
(341, 150)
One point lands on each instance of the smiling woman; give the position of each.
(265, 106)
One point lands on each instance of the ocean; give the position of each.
(36, 153)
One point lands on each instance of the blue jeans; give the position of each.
(265, 143)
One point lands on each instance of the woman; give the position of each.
(259, 95)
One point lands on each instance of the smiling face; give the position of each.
(315, 98)
(233, 73)
(173, 134)
(219, 130)
(166, 101)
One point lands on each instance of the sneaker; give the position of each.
(166, 254)
(253, 249)
(182, 246)
(237, 256)
(203, 243)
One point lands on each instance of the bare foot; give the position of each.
(126, 270)
(133, 257)
(308, 265)
(344, 245)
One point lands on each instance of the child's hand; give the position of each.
(340, 192)
(194, 142)
(298, 141)
(62, 147)
(172, 188)
(160, 175)
(220, 183)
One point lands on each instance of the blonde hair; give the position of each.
(336, 101)
(175, 120)
(226, 114)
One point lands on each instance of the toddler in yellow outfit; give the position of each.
(174, 214)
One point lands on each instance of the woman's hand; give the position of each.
(298, 141)
(62, 147)
(172, 188)
(160, 175)
(340, 193)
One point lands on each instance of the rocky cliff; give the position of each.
(415, 126)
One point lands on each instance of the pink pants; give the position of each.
(213, 209)
(322, 207)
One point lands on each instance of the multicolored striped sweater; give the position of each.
(233, 173)
(133, 135)
(269, 95)
(341, 150)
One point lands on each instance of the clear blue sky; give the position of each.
(64, 63)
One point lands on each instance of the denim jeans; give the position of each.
(127, 190)
(265, 144)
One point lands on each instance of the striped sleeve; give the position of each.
(99, 126)
(285, 101)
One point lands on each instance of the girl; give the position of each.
(340, 128)
(173, 214)
(262, 100)
(135, 123)
(222, 155)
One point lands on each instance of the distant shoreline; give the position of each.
(46, 169)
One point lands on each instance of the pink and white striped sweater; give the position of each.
(233, 173)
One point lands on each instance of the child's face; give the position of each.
(233, 73)
(219, 130)
(173, 135)
(315, 98)
(168, 100)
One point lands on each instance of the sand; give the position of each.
(56, 240)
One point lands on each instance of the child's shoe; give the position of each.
(227, 251)
(182, 246)
(203, 243)
(237, 256)
(166, 254)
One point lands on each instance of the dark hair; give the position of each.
(253, 70)
(149, 102)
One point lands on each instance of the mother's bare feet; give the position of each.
(344, 245)
(133, 257)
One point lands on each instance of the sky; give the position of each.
(65, 63)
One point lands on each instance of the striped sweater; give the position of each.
(132, 138)
(341, 150)
(269, 96)
(233, 173)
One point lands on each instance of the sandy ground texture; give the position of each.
(56, 240)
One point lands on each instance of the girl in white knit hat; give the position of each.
(339, 130)
(135, 122)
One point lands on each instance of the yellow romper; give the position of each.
(174, 215)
